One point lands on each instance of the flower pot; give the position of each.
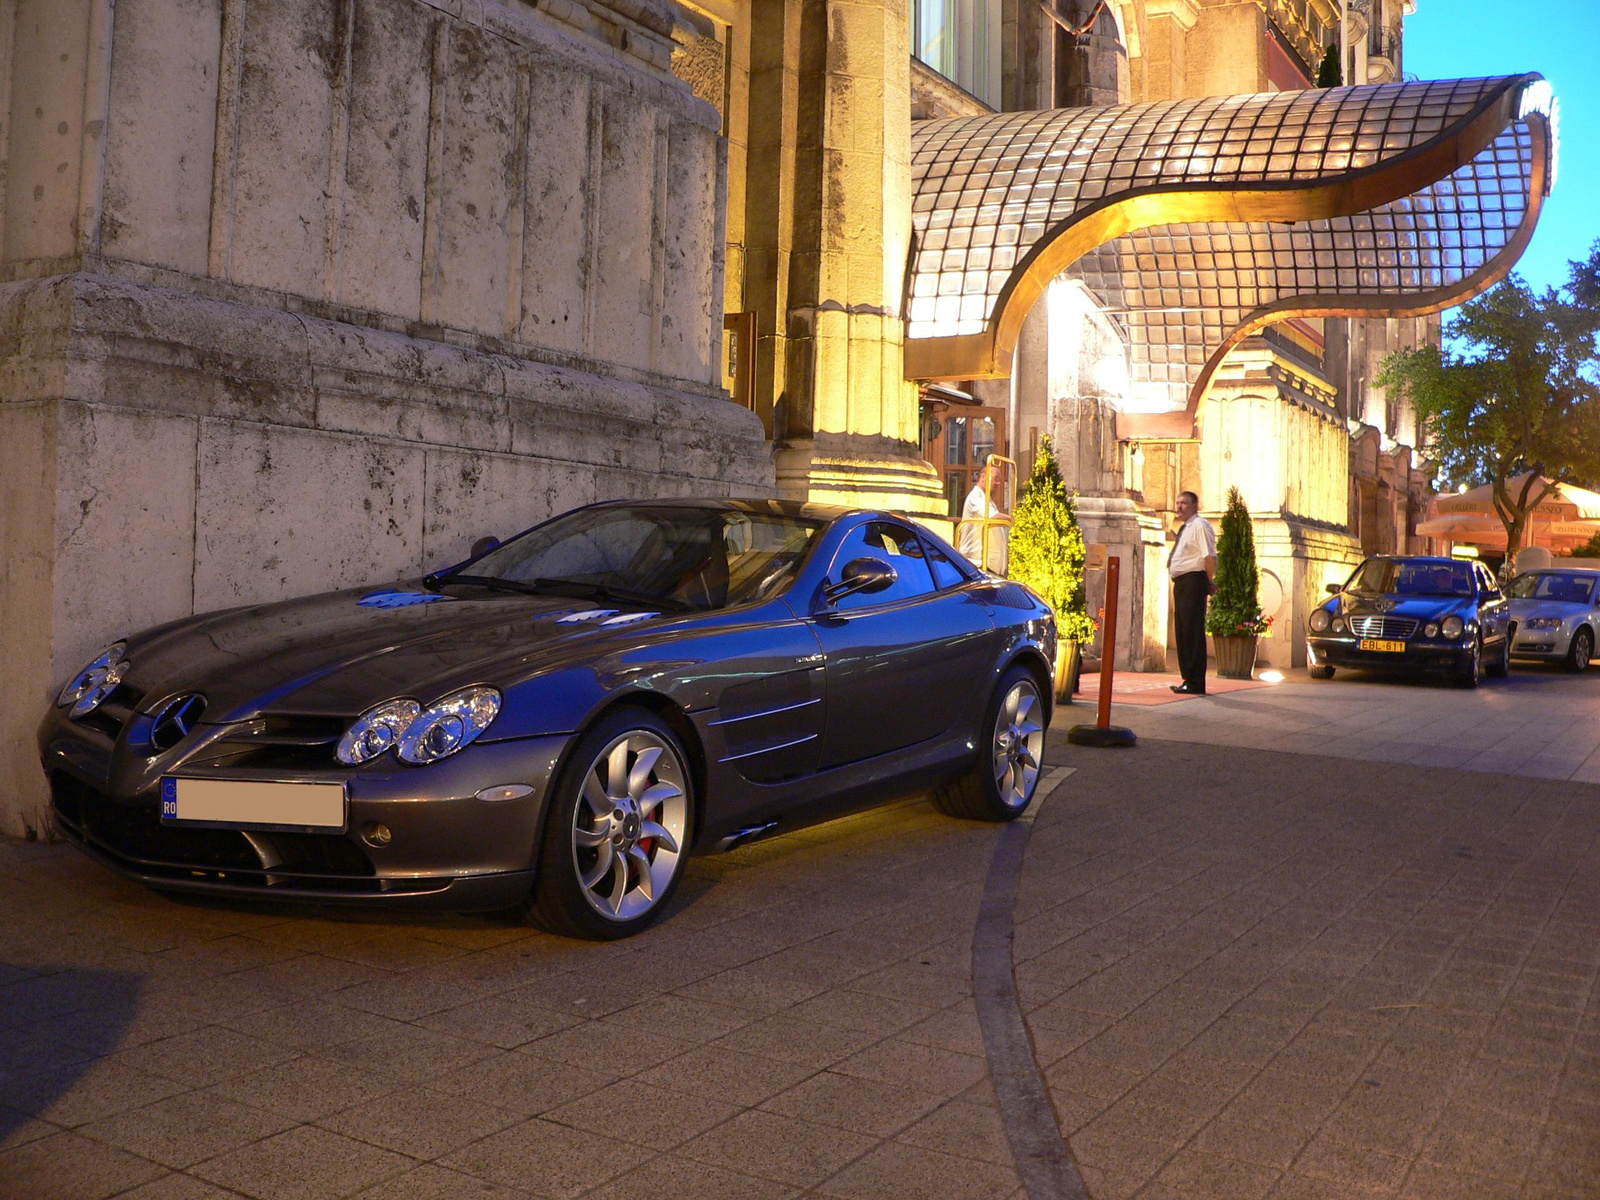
(1236, 655)
(1069, 662)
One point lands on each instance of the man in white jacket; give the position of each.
(970, 542)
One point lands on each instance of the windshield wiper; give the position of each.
(492, 582)
(604, 591)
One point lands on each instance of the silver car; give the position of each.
(1555, 614)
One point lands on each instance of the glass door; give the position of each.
(959, 442)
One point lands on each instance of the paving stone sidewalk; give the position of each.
(1245, 973)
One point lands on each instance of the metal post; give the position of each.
(1103, 732)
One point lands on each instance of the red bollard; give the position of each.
(1103, 732)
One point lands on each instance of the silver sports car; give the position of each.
(1555, 614)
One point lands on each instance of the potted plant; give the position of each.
(1234, 620)
(1047, 553)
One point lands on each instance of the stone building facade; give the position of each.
(297, 294)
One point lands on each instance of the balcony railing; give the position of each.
(1383, 43)
(1303, 27)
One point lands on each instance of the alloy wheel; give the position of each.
(1582, 649)
(628, 825)
(1018, 744)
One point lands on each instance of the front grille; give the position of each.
(134, 837)
(1394, 628)
(277, 742)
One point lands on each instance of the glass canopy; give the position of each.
(1198, 221)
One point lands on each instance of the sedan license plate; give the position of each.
(1383, 646)
(248, 802)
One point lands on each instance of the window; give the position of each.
(960, 39)
(895, 545)
(1566, 587)
(1413, 577)
(945, 572)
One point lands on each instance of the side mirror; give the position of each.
(1334, 589)
(483, 545)
(865, 575)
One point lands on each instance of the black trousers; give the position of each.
(1189, 592)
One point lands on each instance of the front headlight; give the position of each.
(89, 688)
(445, 727)
(1338, 624)
(1431, 629)
(376, 730)
(1320, 621)
(1543, 623)
(1451, 627)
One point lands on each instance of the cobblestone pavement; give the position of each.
(1245, 973)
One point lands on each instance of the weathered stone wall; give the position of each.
(298, 294)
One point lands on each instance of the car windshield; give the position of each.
(1567, 586)
(1412, 577)
(682, 557)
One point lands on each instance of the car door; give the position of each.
(892, 659)
(1494, 611)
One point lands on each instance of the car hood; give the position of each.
(342, 652)
(1422, 608)
(1561, 609)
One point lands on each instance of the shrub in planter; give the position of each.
(1234, 619)
(1047, 554)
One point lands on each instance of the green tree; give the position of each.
(1047, 549)
(1590, 549)
(1330, 73)
(1522, 397)
(1235, 611)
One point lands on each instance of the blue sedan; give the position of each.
(1413, 614)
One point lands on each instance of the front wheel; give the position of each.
(1469, 672)
(618, 830)
(1581, 651)
(1010, 753)
(1500, 665)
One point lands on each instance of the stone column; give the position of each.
(847, 431)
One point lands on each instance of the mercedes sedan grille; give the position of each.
(1396, 628)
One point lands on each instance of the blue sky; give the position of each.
(1457, 39)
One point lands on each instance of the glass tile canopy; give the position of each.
(1398, 198)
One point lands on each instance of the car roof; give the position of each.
(1552, 568)
(752, 504)
(1422, 558)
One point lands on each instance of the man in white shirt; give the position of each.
(971, 542)
(1192, 566)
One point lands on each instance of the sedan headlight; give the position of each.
(1320, 620)
(1542, 623)
(1451, 627)
(1431, 629)
(376, 731)
(89, 688)
(445, 727)
(1338, 624)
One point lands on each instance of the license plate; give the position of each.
(1384, 647)
(248, 802)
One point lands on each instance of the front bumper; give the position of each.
(1541, 643)
(447, 849)
(1334, 651)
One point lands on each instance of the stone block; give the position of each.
(279, 190)
(624, 190)
(689, 308)
(45, 127)
(386, 163)
(162, 133)
(477, 182)
(288, 512)
(556, 237)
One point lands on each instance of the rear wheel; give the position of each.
(1581, 650)
(618, 831)
(1321, 672)
(1010, 753)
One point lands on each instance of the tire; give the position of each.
(1469, 674)
(1581, 651)
(1322, 672)
(1500, 666)
(600, 825)
(1001, 783)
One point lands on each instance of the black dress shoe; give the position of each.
(1183, 689)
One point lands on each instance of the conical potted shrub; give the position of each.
(1047, 553)
(1234, 620)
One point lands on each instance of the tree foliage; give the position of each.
(1331, 72)
(1235, 611)
(1589, 549)
(1047, 549)
(1522, 397)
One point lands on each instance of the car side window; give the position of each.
(1486, 583)
(945, 573)
(895, 545)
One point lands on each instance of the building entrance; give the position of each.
(958, 441)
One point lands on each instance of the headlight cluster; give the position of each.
(1542, 623)
(1320, 621)
(420, 735)
(1451, 627)
(89, 688)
